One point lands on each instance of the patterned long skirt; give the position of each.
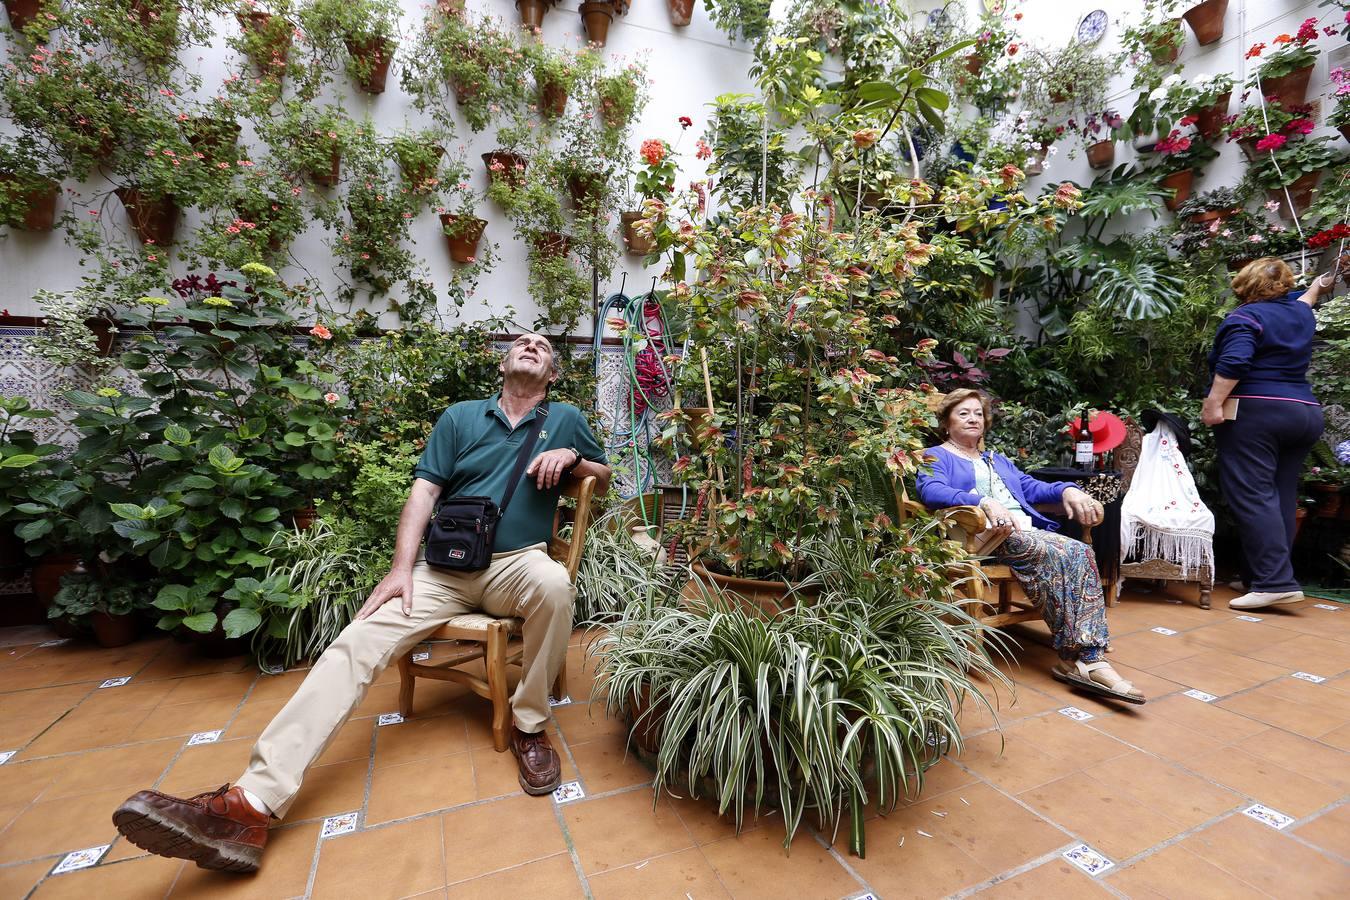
(1061, 575)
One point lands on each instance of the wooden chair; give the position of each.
(497, 641)
(1159, 571)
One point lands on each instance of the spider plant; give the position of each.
(614, 570)
(816, 707)
(329, 575)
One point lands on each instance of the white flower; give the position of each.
(1158, 94)
(1200, 80)
(1171, 79)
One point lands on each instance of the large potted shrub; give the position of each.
(104, 602)
(22, 458)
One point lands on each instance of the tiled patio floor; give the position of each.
(1159, 790)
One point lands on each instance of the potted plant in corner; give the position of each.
(106, 601)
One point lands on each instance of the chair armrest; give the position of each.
(1061, 509)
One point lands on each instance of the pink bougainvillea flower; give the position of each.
(321, 333)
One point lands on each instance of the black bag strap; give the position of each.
(523, 457)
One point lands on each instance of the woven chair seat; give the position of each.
(476, 622)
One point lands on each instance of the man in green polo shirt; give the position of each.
(472, 452)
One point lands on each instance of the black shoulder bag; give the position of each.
(462, 530)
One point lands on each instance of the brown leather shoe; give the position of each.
(216, 830)
(540, 768)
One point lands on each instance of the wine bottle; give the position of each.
(1082, 447)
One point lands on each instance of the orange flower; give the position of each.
(653, 151)
(1284, 39)
(321, 333)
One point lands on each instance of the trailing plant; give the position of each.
(1283, 160)
(744, 19)
(355, 31)
(1149, 45)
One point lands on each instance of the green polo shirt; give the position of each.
(473, 449)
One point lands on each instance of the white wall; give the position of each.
(688, 67)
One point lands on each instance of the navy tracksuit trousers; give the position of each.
(1261, 455)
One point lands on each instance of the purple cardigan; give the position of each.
(953, 484)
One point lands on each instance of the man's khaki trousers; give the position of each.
(526, 583)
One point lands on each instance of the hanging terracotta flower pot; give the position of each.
(596, 16)
(328, 177)
(505, 165)
(22, 12)
(462, 236)
(1210, 215)
(155, 219)
(1179, 184)
(586, 189)
(638, 244)
(974, 63)
(1166, 50)
(305, 517)
(1035, 165)
(681, 12)
(551, 244)
(1209, 120)
(38, 210)
(417, 174)
(1206, 20)
(1291, 89)
(104, 336)
(1102, 154)
(532, 12)
(373, 58)
(552, 98)
(270, 55)
(1300, 191)
(215, 139)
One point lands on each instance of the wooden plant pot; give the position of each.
(463, 244)
(681, 12)
(552, 99)
(215, 139)
(1209, 120)
(512, 167)
(1300, 191)
(39, 213)
(48, 572)
(551, 244)
(1179, 184)
(638, 244)
(1291, 89)
(768, 597)
(1206, 20)
(22, 12)
(532, 12)
(375, 56)
(154, 219)
(596, 16)
(328, 177)
(114, 631)
(1102, 155)
(272, 58)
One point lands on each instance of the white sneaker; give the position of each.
(1262, 599)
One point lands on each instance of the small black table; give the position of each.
(1105, 536)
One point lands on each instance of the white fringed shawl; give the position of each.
(1162, 515)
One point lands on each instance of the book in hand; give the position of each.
(1230, 409)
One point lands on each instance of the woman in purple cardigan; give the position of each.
(1056, 572)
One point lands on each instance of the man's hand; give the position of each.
(548, 467)
(398, 583)
(1211, 413)
(1081, 508)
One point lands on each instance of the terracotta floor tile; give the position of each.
(198, 689)
(942, 778)
(485, 837)
(27, 677)
(551, 877)
(605, 765)
(59, 826)
(1157, 784)
(1279, 788)
(1318, 696)
(276, 687)
(623, 829)
(85, 732)
(420, 738)
(207, 766)
(253, 717)
(399, 792)
(756, 865)
(410, 855)
(23, 782)
(330, 790)
(1206, 718)
(1308, 653)
(1055, 878)
(1249, 850)
(284, 871)
(497, 774)
(1338, 738)
(995, 831)
(1013, 762)
(123, 769)
(580, 673)
(1330, 831)
(380, 699)
(677, 876)
(1311, 758)
(150, 876)
(1096, 813)
(1237, 636)
(1218, 672)
(41, 701)
(17, 881)
(184, 720)
(20, 730)
(1300, 718)
(1153, 685)
(581, 722)
(699, 815)
(1148, 649)
(1156, 734)
(900, 861)
(477, 716)
(1177, 872)
(351, 742)
(1004, 707)
(181, 660)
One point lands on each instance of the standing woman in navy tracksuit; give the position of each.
(1260, 359)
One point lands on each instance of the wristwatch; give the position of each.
(576, 462)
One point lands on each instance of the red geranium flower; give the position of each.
(685, 121)
(1271, 142)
